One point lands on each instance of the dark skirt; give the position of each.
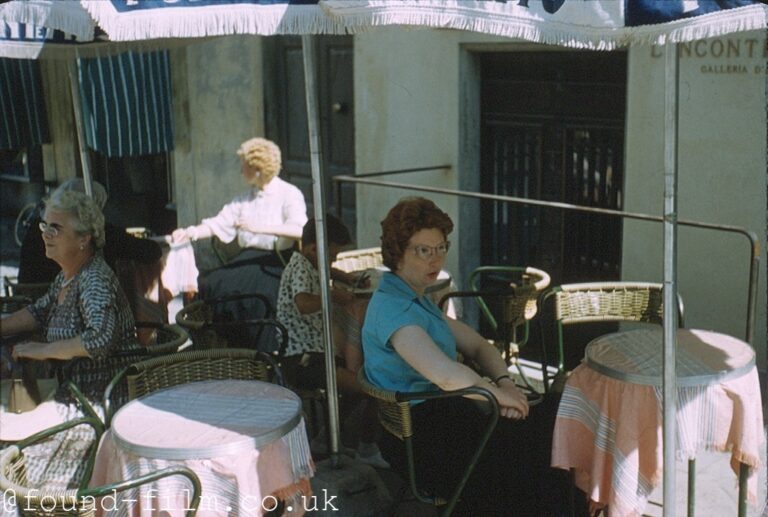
(251, 271)
(512, 476)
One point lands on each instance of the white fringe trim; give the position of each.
(360, 15)
(64, 15)
(195, 22)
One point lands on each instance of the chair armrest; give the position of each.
(489, 428)
(84, 404)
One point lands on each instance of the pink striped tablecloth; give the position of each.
(609, 423)
(245, 440)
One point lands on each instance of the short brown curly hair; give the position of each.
(261, 154)
(407, 217)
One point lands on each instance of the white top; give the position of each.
(278, 202)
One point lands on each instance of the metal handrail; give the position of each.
(750, 235)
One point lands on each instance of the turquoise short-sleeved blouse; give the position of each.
(393, 306)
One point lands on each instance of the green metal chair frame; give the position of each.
(156, 373)
(167, 338)
(196, 318)
(519, 306)
(395, 417)
(80, 501)
(592, 302)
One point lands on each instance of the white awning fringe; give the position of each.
(195, 22)
(363, 16)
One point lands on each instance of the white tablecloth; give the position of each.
(213, 424)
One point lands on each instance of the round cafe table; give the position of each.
(245, 440)
(609, 422)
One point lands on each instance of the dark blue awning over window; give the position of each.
(23, 119)
(127, 103)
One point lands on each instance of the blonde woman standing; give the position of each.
(267, 218)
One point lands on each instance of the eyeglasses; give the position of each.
(51, 229)
(427, 252)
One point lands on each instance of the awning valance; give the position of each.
(23, 119)
(126, 102)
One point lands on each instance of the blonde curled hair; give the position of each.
(262, 155)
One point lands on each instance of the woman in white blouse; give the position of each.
(272, 212)
(266, 219)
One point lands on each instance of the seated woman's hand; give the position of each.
(512, 403)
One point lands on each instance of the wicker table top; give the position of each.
(703, 357)
(206, 419)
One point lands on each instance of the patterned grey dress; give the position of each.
(96, 309)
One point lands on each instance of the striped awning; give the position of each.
(23, 119)
(126, 102)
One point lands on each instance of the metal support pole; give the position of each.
(85, 161)
(310, 69)
(754, 241)
(669, 381)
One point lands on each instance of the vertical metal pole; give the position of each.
(85, 161)
(310, 69)
(671, 82)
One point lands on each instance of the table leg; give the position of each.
(691, 486)
(743, 476)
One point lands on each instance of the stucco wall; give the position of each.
(218, 103)
(722, 176)
(407, 108)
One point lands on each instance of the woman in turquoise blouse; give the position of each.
(410, 345)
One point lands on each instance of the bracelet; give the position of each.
(504, 376)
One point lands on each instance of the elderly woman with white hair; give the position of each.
(266, 219)
(84, 313)
(35, 267)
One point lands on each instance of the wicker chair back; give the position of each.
(358, 260)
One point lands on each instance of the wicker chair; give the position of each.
(160, 338)
(48, 502)
(605, 302)
(33, 291)
(358, 260)
(395, 418)
(196, 317)
(156, 373)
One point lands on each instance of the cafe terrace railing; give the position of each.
(754, 243)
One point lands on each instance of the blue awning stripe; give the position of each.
(22, 108)
(127, 100)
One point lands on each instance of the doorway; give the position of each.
(286, 115)
(552, 128)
